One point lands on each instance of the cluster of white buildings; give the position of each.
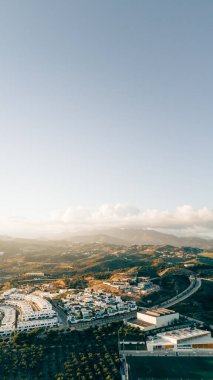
(89, 305)
(140, 287)
(23, 312)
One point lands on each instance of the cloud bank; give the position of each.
(184, 220)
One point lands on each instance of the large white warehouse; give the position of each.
(158, 317)
(152, 319)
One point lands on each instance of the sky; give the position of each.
(106, 115)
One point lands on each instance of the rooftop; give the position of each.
(158, 312)
(183, 334)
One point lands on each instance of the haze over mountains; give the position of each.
(127, 236)
(123, 236)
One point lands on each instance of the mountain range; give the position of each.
(128, 236)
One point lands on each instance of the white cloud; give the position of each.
(183, 220)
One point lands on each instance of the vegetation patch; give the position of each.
(56, 355)
(175, 368)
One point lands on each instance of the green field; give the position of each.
(175, 368)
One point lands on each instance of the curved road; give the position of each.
(193, 288)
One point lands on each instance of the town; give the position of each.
(22, 310)
(150, 331)
(90, 305)
(133, 317)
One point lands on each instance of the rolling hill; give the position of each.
(128, 236)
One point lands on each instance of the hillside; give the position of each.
(128, 236)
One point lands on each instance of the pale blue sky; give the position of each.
(105, 102)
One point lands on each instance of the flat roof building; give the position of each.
(158, 317)
(182, 339)
(8, 320)
(151, 319)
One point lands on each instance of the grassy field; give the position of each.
(166, 368)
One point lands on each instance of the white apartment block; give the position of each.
(33, 311)
(29, 325)
(8, 315)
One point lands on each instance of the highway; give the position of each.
(195, 284)
(193, 288)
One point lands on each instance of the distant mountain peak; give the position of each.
(128, 236)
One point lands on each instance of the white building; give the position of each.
(41, 303)
(39, 274)
(158, 317)
(182, 339)
(31, 307)
(8, 315)
(29, 325)
(152, 319)
(32, 311)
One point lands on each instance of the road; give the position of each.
(192, 352)
(61, 314)
(195, 284)
(193, 288)
(104, 321)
